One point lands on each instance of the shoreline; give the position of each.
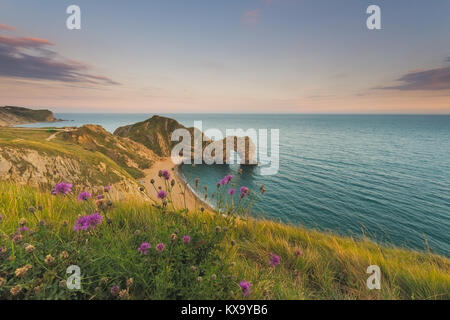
(189, 200)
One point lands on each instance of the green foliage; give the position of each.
(223, 251)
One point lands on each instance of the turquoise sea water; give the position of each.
(387, 176)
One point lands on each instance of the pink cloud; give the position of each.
(6, 27)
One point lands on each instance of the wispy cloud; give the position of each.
(251, 17)
(6, 27)
(434, 79)
(33, 58)
(422, 79)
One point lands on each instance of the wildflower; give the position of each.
(231, 191)
(100, 197)
(65, 223)
(213, 277)
(130, 282)
(245, 287)
(89, 221)
(202, 209)
(115, 290)
(160, 173)
(29, 248)
(62, 188)
(199, 279)
(17, 238)
(160, 247)
(31, 210)
(84, 196)
(20, 272)
(143, 248)
(22, 221)
(165, 174)
(137, 232)
(16, 290)
(23, 229)
(49, 259)
(218, 229)
(298, 252)
(162, 194)
(274, 260)
(64, 255)
(173, 237)
(262, 189)
(123, 294)
(2, 281)
(244, 191)
(186, 239)
(141, 189)
(152, 181)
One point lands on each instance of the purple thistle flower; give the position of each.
(274, 260)
(231, 191)
(165, 174)
(62, 188)
(89, 221)
(225, 180)
(107, 188)
(244, 191)
(100, 197)
(143, 248)
(298, 252)
(115, 290)
(228, 178)
(245, 286)
(162, 194)
(84, 196)
(160, 247)
(186, 239)
(23, 229)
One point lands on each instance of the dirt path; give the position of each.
(58, 131)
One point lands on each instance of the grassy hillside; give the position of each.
(18, 115)
(221, 253)
(87, 156)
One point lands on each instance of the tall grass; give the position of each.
(224, 249)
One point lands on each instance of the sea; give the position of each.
(386, 177)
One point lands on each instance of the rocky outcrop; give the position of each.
(156, 134)
(130, 155)
(45, 169)
(10, 116)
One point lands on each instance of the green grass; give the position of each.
(331, 267)
(89, 160)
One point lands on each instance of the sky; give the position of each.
(252, 56)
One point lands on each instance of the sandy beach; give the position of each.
(182, 196)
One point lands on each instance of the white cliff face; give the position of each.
(31, 167)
